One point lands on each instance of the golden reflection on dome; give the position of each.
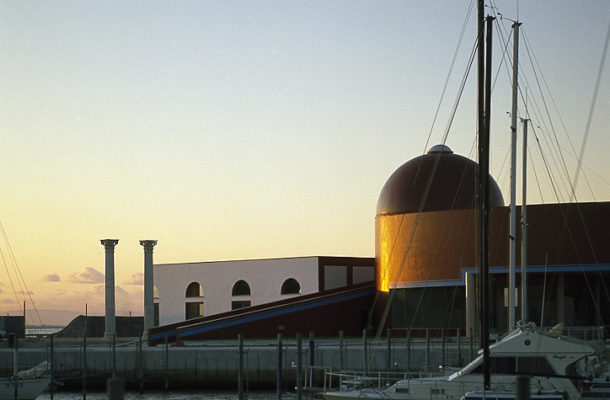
(432, 246)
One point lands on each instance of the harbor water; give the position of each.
(169, 395)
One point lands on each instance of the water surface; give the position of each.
(169, 395)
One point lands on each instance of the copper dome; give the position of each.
(452, 186)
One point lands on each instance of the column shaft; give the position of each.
(110, 327)
(149, 305)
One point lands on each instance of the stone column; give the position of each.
(149, 305)
(110, 328)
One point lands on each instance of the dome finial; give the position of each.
(440, 148)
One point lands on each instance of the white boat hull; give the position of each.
(28, 389)
(547, 359)
(439, 389)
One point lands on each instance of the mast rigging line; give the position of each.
(555, 141)
(553, 154)
(449, 73)
(434, 262)
(554, 144)
(560, 154)
(476, 50)
(571, 237)
(592, 107)
(534, 169)
(18, 274)
(522, 77)
(573, 183)
(505, 55)
(8, 274)
(563, 125)
(427, 189)
(556, 153)
(425, 195)
(458, 46)
(439, 243)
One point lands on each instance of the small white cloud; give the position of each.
(50, 278)
(136, 279)
(87, 275)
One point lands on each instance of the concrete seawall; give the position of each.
(214, 364)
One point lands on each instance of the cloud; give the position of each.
(136, 279)
(50, 278)
(28, 293)
(100, 291)
(8, 301)
(87, 275)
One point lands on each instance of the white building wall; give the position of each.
(265, 278)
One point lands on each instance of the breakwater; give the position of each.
(215, 364)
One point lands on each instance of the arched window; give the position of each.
(241, 295)
(193, 308)
(291, 286)
(241, 288)
(194, 290)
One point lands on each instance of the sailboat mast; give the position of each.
(524, 316)
(513, 183)
(484, 108)
(485, 255)
(482, 301)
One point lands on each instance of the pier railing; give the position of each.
(356, 380)
(214, 363)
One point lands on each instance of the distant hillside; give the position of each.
(56, 317)
(51, 317)
(125, 327)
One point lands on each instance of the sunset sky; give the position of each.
(253, 129)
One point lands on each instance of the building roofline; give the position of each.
(265, 259)
(501, 270)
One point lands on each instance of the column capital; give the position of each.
(109, 243)
(148, 244)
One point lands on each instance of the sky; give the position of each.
(254, 129)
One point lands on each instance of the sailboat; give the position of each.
(27, 384)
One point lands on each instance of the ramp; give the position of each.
(325, 313)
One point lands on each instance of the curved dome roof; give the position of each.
(452, 187)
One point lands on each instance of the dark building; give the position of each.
(426, 265)
(427, 255)
(12, 325)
